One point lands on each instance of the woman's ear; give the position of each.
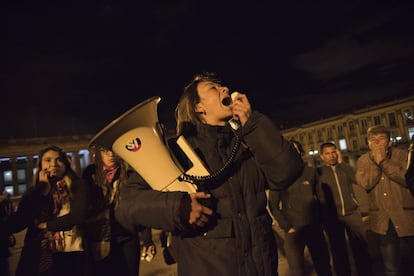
(199, 109)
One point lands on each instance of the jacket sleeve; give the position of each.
(26, 212)
(274, 206)
(395, 167)
(78, 209)
(277, 158)
(140, 206)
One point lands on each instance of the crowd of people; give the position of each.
(100, 222)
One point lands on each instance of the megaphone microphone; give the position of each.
(234, 122)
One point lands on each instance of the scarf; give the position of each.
(109, 172)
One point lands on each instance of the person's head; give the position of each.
(204, 101)
(107, 158)
(379, 136)
(298, 147)
(55, 161)
(328, 153)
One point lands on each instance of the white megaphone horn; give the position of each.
(137, 137)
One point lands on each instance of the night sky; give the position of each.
(73, 66)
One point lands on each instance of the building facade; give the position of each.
(349, 131)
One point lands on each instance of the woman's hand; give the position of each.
(42, 225)
(199, 213)
(339, 154)
(44, 177)
(241, 107)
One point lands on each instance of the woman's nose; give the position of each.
(225, 89)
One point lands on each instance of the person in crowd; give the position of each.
(6, 241)
(113, 249)
(224, 227)
(341, 213)
(53, 211)
(381, 172)
(296, 209)
(409, 175)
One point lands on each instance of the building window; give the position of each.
(377, 120)
(392, 120)
(310, 138)
(21, 179)
(342, 144)
(340, 131)
(84, 158)
(319, 133)
(351, 127)
(355, 145)
(329, 132)
(364, 125)
(408, 116)
(411, 133)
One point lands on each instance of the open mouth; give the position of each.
(226, 101)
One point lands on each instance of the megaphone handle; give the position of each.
(208, 202)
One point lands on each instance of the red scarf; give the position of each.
(110, 172)
(60, 195)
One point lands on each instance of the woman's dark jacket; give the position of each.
(34, 208)
(239, 239)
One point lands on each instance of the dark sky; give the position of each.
(74, 66)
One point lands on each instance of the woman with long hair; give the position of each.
(231, 232)
(113, 249)
(53, 210)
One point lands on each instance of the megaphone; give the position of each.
(137, 137)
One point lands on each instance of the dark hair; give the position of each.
(378, 130)
(186, 116)
(326, 145)
(62, 157)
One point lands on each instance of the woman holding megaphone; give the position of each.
(223, 228)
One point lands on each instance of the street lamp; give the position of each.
(313, 153)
